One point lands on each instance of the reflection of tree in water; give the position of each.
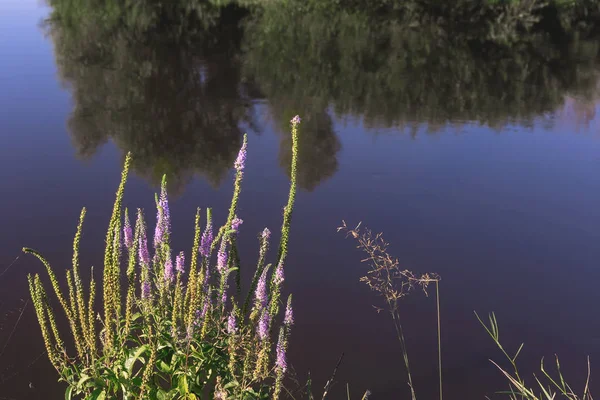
(169, 80)
(393, 74)
(168, 91)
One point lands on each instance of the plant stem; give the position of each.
(439, 336)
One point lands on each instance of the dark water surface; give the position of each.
(490, 178)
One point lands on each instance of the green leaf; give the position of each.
(84, 378)
(69, 393)
(133, 357)
(163, 367)
(161, 395)
(231, 384)
(98, 394)
(183, 385)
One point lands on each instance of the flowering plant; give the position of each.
(175, 331)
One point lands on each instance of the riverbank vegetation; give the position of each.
(178, 329)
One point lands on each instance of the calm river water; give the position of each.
(489, 178)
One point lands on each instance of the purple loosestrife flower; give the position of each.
(127, 232)
(168, 274)
(179, 262)
(235, 224)
(288, 319)
(204, 308)
(159, 231)
(206, 242)
(266, 234)
(222, 256)
(224, 297)
(281, 361)
(279, 276)
(240, 162)
(263, 325)
(231, 324)
(143, 251)
(146, 290)
(164, 204)
(296, 120)
(261, 290)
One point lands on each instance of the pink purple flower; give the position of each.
(241, 158)
(279, 276)
(179, 262)
(266, 234)
(146, 289)
(281, 361)
(235, 224)
(288, 319)
(296, 120)
(127, 232)
(206, 242)
(222, 256)
(261, 290)
(231, 324)
(263, 325)
(143, 250)
(168, 273)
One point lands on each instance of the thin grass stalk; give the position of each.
(400, 334)
(439, 334)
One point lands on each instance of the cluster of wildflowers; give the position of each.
(173, 312)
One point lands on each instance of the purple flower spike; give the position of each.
(204, 309)
(222, 257)
(231, 324)
(288, 320)
(263, 326)
(224, 298)
(164, 204)
(235, 224)
(296, 120)
(146, 290)
(159, 231)
(279, 276)
(143, 250)
(266, 234)
(281, 361)
(169, 270)
(179, 263)
(127, 232)
(261, 290)
(240, 162)
(206, 242)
